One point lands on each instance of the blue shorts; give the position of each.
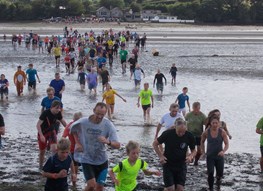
(99, 172)
(92, 86)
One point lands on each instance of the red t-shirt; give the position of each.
(66, 133)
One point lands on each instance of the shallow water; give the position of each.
(225, 75)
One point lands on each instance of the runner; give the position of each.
(4, 84)
(146, 102)
(128, 169)
(181, 99)
(222, 123)
(215, 153)
(47, 101)
(259, 130)
(57, 53)
(123, 56)
(40, 45)
(108, 95)
(105, 77)
(19, 80)
(173, 72)
(138, 75)
(46, 130)
(82, 78)
(92, 81)
(67, 63)
(159, 85)
(168, 119)
(132, 60)
(31, 77)
(174, 159)
(2, 129)
(59, 85)
(195, 125)
(91, 135)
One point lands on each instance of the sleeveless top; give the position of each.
(214, 145)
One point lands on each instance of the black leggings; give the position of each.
(213, 162)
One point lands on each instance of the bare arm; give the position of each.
(38, 78)
(203, 138)
(226, 142)
(113, 177)
(152, 100)
(259, 131)
(152, 172)
(121, 97)
(73, 173)
(138, 103)
(188, 103)
(62, 90)
(39, 127)
(64, 123)
(159, 126)
(159, 152)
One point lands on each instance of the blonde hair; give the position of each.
(131, 146)
(63, 144)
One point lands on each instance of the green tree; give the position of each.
(75, 8)
(135, 7)
(211, 11)
(112, 3)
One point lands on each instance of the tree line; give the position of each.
(207, 11)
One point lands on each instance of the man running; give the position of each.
(159, 85)
(174, 159)
(92, 135)
(173, 72)
(46, 129)
(92, 81)
(181, 99)
(4, 84)
(168, 119)
(105, 77)
(47, 101)
(137, 72)
(196, 121)
(132, 61)
(32, 74)
(19, 80)
(57, 53)
(123, 56)
(146, 98)
(59, 85)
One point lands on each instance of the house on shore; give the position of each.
(116, 13)
(148, 15)
(103, 12)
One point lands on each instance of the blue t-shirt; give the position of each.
(57, 85)
(181, 100)
(31, 74)
(54, 165)
(3, 83)
(46, 102)
(101, 61)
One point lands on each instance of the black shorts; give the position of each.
(104, 82)
(67, 65)
(32, 84)
(99, 172)
(145, 107)
(261, 150)
(82, 82)
(4, 91)
(174, 175)
(123, 61)
(57, 57)
(198, 141)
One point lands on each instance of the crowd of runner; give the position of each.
(92, 55)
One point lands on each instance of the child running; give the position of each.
(128, 169)
(108, 95)
(66, 133)
(57, 167)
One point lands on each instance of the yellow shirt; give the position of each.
(57, 51)
(110, 43)
(109, 96)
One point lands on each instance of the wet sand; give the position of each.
(219, 73)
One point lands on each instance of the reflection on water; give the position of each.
(231, 82)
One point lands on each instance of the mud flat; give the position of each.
(19, 170)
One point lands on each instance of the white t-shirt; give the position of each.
(168, 121)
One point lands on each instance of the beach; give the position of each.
(220, 65)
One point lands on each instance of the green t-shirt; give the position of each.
(195, 123)
(127, 176)
(145, 97)
(123, 54)
(260, 126)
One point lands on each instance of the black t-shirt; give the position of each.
(173, 70)
(2, 122)
(132, 61)
(105, 76)
(176, 147)
(54, 165)
(49, 120)
(159, 78)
